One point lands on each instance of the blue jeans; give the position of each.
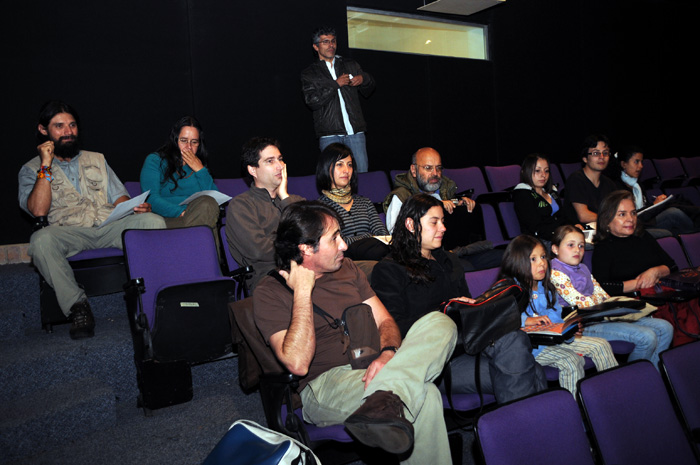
(674, 220)
(649, 335)
(356, 143)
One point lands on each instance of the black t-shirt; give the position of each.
(580, 189)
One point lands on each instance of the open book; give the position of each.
(653, 210)
(557, 333)
(552, 333)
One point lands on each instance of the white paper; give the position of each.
(216, 195)
(125, 208)
(651, 208)
(384, 239)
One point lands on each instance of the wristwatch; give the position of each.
(384, 349)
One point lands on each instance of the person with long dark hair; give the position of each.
(336, 180)
(177, 170)
(418, 275)
(536, 199)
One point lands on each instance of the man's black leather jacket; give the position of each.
(321, 95)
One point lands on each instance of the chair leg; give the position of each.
(456, 446)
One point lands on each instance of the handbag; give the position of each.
(493, 314)
(687, 279)
(248, 443)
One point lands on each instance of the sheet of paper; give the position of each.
(651, 208)
(218, 196)
(125, 208)
(384, 239)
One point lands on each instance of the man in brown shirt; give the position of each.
(393, 404)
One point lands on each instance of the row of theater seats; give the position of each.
(489, 186)
(624, 415)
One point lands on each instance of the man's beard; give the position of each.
(67, 147)
(426, 186)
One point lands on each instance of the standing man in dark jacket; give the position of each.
(330, 87)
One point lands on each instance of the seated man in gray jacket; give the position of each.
(252, 217)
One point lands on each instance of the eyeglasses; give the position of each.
(327, 41)
(192, 142)
(430, 167)
(596, 153)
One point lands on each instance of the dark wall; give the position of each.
(559, 70)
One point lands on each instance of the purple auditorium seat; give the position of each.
(688, 193)
(691, 245)
(514, 433)
(492, 227)
(160, 255)
(304, 186)
(502, 178)
(649, 177)
(177, 303)
(467, 402)
(231, 186)
(674, 249)
(392, 176)
(557, 178)
(691, 165)
(336, 433)
(630, 417)
(680, 368)
(374, 185)
(467, 178)
(510, 219)
(481, 280)
(98, 271)
(567, 169)
(670, 169)
(133, 188)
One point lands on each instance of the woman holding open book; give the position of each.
(525, 260)
(667, 218)
(576, 286)
(176, 171)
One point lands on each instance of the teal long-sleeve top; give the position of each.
(163, 199)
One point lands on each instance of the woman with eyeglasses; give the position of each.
(177, 170)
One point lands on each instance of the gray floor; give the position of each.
(64, 401)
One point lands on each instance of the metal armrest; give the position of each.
(241, 276)
(137, 319)
(277, 390)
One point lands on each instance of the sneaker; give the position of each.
(83, 324)
(380, 422)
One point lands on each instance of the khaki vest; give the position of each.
(88, 208)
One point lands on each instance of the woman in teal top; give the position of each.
(177, 170)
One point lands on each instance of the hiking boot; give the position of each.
(83, 324)
(380, 422)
